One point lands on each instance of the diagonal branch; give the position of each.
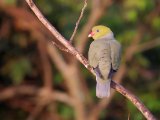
(78, 21)
(135, 100)
(84, 61)
(58, 35)
(148, 45)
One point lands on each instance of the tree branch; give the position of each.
(78, 21)
(70, 74)
(11, 92)
(83, 60)
(46, 66)
(148, 45)
(57, 34)
(135, 100)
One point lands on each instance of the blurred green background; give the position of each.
(23, 58)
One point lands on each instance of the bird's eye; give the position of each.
(97, 30)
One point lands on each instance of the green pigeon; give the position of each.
(104, 56)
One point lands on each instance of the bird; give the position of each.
(104, 56)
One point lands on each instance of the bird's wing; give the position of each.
(92, 55)
(104, 64)
(115, 54)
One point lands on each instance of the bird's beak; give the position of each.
(91, 34)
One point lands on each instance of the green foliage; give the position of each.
(62, 14)
(156, 23)
(141, 5)
(126, 37)
(134, 113)
(10, 2)
(66, 112)
(58, 79)
(142, 61)
(113, 19)
(131, 15)
(132, 73)
(150, 100)
(48, 6)
(17, 69)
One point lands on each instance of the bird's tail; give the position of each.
(103, 88)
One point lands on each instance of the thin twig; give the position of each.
(96, 13)
(78, 21)
(84, 61)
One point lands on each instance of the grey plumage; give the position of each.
(104, 57)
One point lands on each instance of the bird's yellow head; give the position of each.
(99, 31)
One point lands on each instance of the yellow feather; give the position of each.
(100, 31)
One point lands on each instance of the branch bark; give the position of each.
(84, 61)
